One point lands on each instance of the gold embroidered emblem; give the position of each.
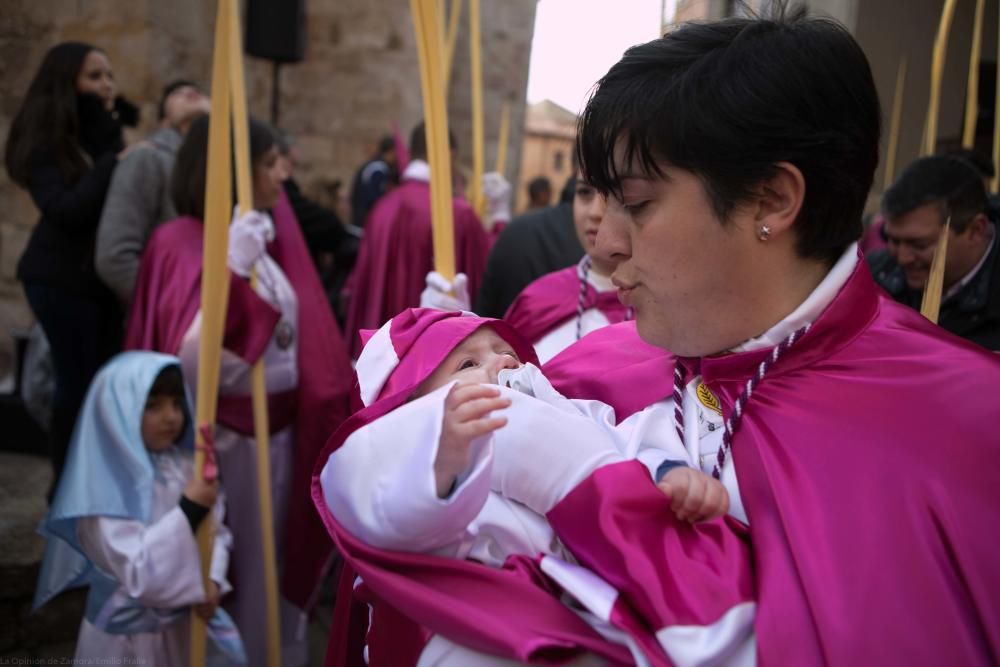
(708, 399)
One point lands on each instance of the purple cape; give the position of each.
(167, 298)
(866, 464)
(396, 255)
(552, 299)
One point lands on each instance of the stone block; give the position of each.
(24, 481)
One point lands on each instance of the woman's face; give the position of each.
(96, 78)
(588, 210)
(677, 265)
(267, 178)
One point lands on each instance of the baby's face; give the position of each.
(477, 359)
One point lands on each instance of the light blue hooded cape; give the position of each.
(109, 472)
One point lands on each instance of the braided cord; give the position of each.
(732, 422)
(582, 272)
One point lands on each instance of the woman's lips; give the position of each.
(624, 293)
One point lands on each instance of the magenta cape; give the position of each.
(552, 299)
(396, 255)
(167, 298)
(866, 464)
(515, 612)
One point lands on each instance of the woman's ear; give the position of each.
(780, 198)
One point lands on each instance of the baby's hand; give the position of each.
(694, 495)
(466, 417)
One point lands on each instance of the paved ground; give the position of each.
(49, 635)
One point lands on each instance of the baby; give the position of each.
(475, 366)
(450, 399)
(453, 394)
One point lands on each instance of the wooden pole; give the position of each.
(214, 287)
(451, 37)
(996, 117)
(972, 89)
(258, 388)
(930, 305)
(937, 70)
(475, 64)
(503, 139)
(897, 118)
(426, 24)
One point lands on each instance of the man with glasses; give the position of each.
(916, 208)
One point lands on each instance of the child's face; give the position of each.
(162, 421)
(477, 359)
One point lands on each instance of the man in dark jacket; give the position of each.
(915, 208)
(373, 179)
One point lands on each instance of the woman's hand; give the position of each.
(466, 417)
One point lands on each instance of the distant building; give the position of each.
(549, 136)
(702, 10)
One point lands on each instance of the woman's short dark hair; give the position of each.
(730, 99)
(48, 115)
(187, 182)
(947, 180)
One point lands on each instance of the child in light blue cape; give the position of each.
(123, 521)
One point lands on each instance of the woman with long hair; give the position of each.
(62, 147)
(286, 322)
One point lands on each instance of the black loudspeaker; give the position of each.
(276, 30)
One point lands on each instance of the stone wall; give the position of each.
(360, 75)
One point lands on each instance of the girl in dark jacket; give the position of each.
(63, 145)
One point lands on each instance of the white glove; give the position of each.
(445, 295)
(544, 452)
(496, 189)
(249, 235)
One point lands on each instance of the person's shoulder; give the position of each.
(550, 292)
(541, 218)
(462, 207)
(184, 229)
(900, 342)
(403, 198)
(537, 224)
(372, 168)
(880, 259)
(886, 271)
(141, 161)
(619, 341)
(555, 279)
